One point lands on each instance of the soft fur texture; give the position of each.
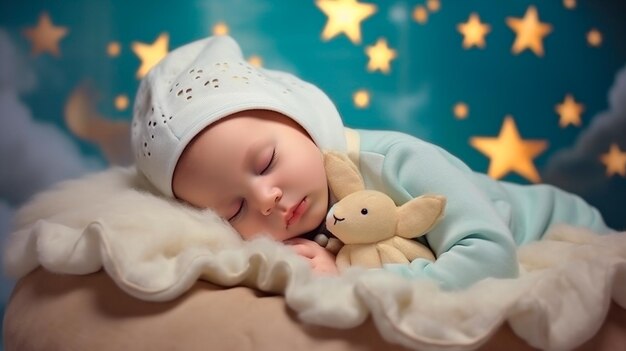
(155, 249)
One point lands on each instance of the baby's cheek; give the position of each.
(318, 213)
(310, 166)
(247, 230)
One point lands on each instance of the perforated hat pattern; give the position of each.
(204, 81)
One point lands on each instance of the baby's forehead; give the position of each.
(220, 155)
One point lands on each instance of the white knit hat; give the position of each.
(206, 80)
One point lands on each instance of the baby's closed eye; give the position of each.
(269, 163)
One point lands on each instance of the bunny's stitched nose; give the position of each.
(337, 219)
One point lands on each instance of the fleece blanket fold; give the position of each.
(155, 249)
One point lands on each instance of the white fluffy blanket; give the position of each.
(155, 249)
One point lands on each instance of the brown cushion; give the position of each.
(63, 312)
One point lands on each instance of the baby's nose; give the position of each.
(269, 209)
(269, 204)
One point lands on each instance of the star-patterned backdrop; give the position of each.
(526, 91)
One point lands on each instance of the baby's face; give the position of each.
(260, 171)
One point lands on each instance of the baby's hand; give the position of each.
(321, 260)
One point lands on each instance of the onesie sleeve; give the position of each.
(471, 241)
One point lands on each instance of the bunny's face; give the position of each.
(363, 217)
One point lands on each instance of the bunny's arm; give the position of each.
(412, 249)
(472, 241)
(389, 253)
(401, 250)
(343, 258)
(362, 255)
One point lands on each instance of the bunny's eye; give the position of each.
(364, 211)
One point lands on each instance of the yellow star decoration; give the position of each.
(150, 54)
(529, 32)
(45, 36)
(615, 161)
(473, 32)
(508, 152)
(380, 56)
(569, 111)
(344, 16)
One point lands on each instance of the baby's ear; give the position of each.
(343, 175)
(418, 216)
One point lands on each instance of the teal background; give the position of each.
(431, 73)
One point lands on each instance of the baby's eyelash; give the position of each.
(239, 210)
(270, 163)
(269, 166)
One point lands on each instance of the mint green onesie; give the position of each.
(484, 219)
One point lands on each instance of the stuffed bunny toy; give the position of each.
(373, 230)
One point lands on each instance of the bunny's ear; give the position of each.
(343, 175)
(418, 216)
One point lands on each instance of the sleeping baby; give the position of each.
(215, 132)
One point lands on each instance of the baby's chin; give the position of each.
(313, 228)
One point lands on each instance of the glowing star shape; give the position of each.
(615, 161)
(508, 152)
(380, 56)
(45, 36)
(569, 111)
(529, 32)
(150, 54)
(473, 32)
(344, 16)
